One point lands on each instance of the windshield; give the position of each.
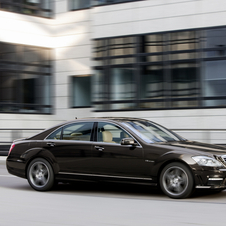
(151, 132)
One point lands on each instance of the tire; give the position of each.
(176, 181)
(40, 175)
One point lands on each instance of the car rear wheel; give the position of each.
(40, 175)
(177, 181)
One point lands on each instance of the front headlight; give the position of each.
(207, 161)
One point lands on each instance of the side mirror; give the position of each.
(128, 141)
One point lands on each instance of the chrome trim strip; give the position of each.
(198, 186)
(215, 178)
(223, 170)
(100, 175)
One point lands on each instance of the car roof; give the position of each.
(106, 118)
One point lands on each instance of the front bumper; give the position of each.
(211, 179)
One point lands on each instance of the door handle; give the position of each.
(51, 144)
(99, 148)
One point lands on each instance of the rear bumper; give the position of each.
(15, 167)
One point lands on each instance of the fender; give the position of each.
(173, 156)
(33, 153)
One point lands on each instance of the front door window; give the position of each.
(110, 133)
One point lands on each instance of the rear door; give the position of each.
(72, 147)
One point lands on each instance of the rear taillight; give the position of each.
(11, 148)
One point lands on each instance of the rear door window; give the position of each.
(80, 131)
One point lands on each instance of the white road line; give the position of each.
(7, 176)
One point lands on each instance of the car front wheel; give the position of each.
(176, 180)
(40, 175)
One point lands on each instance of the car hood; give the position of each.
(194, 147)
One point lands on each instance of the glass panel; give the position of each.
(123, 106)
(152, 82)
(151, 43)
(184, 104)
(215, 103)
(7, 52)
(55, 135)
(150, 105)
(99, 2)
(8, 90)
(31, 54)
(184, 80)
(78, 131)
(81, 91)
(46, 4)
(215, 81)
(99, 48)
(29, 83)
(183, 56)
(122, 85)
(99, 86)
(29, 7)
(28, 89)
(32, 1)
(80, 4)
(43, 90)
(216, 53)
(215, 38)
(185, 40)
(110, 133)
(121, 46)
(125, 60)
(151, 132)
(152, 58)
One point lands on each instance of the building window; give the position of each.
(79, 4)
(25, 79)
(81, 91)
(85, 4)
(42, 8)
(170, 70)
(104, 2)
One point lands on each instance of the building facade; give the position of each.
(163, 60)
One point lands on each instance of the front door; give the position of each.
(113, 159)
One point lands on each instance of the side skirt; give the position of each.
(108, 178)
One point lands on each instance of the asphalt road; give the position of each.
(91, 204)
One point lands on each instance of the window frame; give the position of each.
(93, 127)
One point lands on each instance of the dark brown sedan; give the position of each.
(127, 150)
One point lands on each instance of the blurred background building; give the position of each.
(164, 60)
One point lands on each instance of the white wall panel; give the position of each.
(81, 51)
(73, 65)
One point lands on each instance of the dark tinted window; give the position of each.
(55, 135)
(78, 131)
